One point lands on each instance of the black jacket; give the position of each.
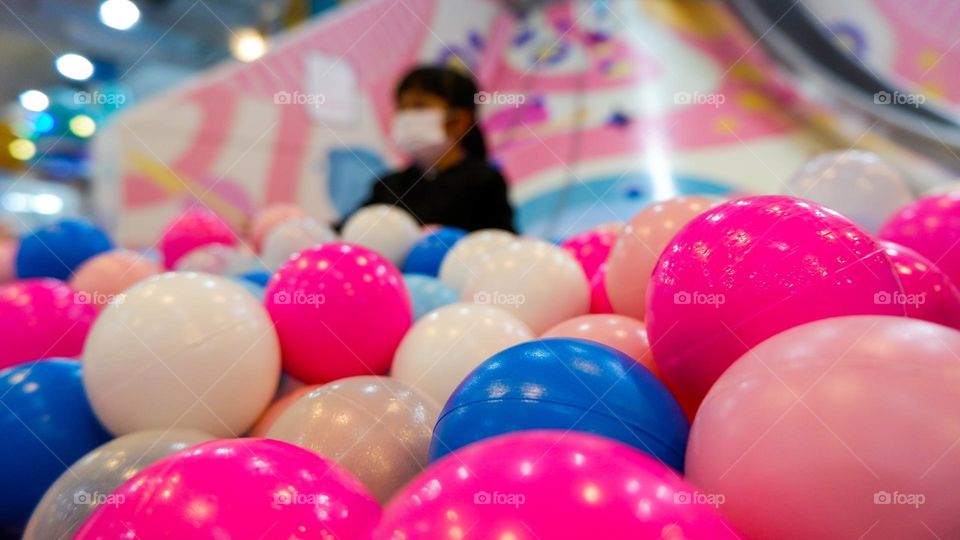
(470, 195)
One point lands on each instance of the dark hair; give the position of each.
(458, 90)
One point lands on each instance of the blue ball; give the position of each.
(47, 424)
(260, 277)
(256, 290)
(569, 384)
(428, 293)
(56, 250)
(427, 254)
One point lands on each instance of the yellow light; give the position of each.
(22, 149)
(248, 45)
(82, 125)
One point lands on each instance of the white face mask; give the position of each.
(420, 134)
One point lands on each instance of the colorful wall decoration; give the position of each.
(592, 109)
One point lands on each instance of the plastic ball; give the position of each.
(550, 484)
(257, 291)
(270, 217)
(238, 488)
(428, 253)
(190, 230)
(568, 384)
(183, 350)
(293, 236)
(340, 310)
(860, 185)
(856, 418)
(103, 278)
(930, 226)
(56, 250)
(41, 318)
(377, 428)
(388, 230)
(468, 253)
(634, 255)
(216, 259)
(591, 249)
(538, 282)
(940, 189)
(427, 294)
(280, 404)
(257, 277)
(8, 259)
(599, 299)
(749, 269)
(47, 424)
(91, 481)
(624, 334)
(928, 293)
(446, 344)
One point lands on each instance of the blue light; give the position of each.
(44, 123)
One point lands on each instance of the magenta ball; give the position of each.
(190, 230)
(591, 248)
(236, 488)
(550, 484)
(340, 310)
(41, 318)
(748, 269)
(931, 227)
(928, 293)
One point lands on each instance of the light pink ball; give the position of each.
(270, 217)
(107, 275)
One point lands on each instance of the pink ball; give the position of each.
(237, 488)
(840, 428)
(8, 259)
(622, 333)
(590, 249)
(276, 408)
(107, 275)
(928, 293)
(599, 300)
(638, 247)
(270, 217)
(749, 269)
(549, 484)
(190, 230)
(41, 318)
(340, 310)
(931, 227)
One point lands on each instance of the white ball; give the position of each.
(293, 236)
(445, 345)
(217, 259)
(468, 253)
(540, 283)
(388, 230)
(183, 350)
(860, 185)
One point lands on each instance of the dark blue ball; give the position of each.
(57, 250)
(564, 384)
(427, 254)
(47, 424)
